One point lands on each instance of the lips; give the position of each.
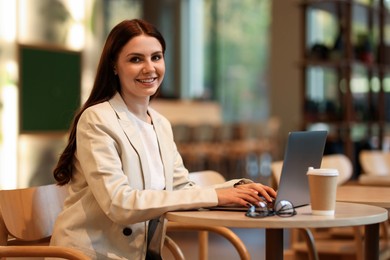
(146, 81)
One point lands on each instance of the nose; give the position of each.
(148, 67)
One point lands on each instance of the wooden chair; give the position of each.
(375, 171)
(26, 222)
(342, 163)
(318, 242)
(208, 178)
(339, 161)
(27, 219)
(375, 162)
(337, 242)
(375, 166)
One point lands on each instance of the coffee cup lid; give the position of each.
(323, 171)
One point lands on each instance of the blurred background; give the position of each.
(217, 53)
(240, 75)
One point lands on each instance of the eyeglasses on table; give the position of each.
(283, 208)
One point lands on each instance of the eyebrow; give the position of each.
(140, 54)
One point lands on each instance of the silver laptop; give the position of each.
(304, 149)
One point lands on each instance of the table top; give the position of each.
(371, 195)
(346, 214)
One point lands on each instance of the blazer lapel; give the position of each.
(130, 128)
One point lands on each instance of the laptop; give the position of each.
(304, 149)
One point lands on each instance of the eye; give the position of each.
(135, 60)
(157, 57)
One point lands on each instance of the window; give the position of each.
(223, 54)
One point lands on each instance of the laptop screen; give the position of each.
(304, 149)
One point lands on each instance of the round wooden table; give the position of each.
(347, 214)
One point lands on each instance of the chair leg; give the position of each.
(173, 248)
(309, 239)
(223, 231)
(3, 232)
(203, 238)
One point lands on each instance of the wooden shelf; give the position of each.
(345, 81)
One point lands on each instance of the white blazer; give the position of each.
(106, 215)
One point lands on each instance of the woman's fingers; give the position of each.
(246, 193)
(262, 190)
(237, 196)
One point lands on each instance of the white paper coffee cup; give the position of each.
(323, 188)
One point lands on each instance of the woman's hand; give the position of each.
(243, 194)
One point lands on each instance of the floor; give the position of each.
(219, 247)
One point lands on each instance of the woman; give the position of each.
(121, 162)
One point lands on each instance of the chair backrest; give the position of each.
(276, 169)
(29, 214)
(206, 178)
(375, 162)
(338, 161)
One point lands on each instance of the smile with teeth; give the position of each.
(150, 80)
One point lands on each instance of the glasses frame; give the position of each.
(284, 209)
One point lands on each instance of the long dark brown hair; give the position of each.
(105, 86)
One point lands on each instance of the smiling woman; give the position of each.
(121, 161)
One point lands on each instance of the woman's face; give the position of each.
(140, 67)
